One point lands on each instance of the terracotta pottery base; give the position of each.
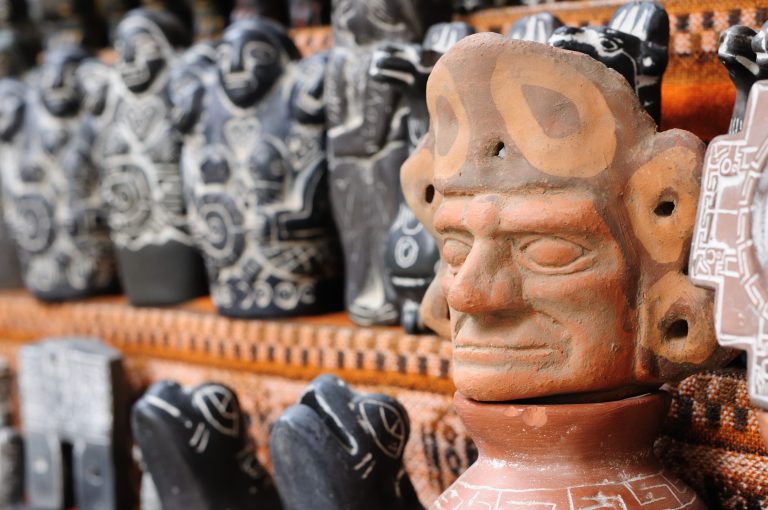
(570, 456)
(762, 420)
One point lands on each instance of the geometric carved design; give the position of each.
(730, 245)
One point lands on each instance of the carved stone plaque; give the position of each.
(730, 243)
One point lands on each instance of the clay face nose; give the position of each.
(487, 281)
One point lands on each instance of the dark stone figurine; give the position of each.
(738, 51)
(141, 180)
(367, 142)
(195, 445)
(412, 255)
(255, 175)
(536, 27)
(74, 404)
(634, 44)
(11, 446)
(339, 449)
(50, 184)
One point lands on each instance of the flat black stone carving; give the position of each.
(341, 449)
(195, 445)
(536, 27)
(635, 44)
(255, 173)
(412, 255)
(50, 184)
(367, 143)
(742, 51)
(140, 155)
(74, 404)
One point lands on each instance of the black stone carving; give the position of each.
(139, 159)
(411, 254)
(195, 445)
(743, 53)
(11, 447)
(50, 184)
(634, 44)
(367, 142)
(74, 403)
(255, 174)
(341, 449)
(536, 27)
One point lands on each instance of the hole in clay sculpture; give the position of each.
(677, 330)
(429, 194)
(500, 151)
(665, 208)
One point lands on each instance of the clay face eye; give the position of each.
(553, 255)
(455, 252)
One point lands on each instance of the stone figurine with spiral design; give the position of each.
(255, 173)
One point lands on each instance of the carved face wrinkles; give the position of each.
(562, 273)
(526, 281)
(249, 64)
(141, 56)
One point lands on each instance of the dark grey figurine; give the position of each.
(635, 44)
(339, 449)
(368, 142)
(742, 51)
(536, 27)
(411, 254)
(255, 175)
(140, 155)
(50, 185)
(74, 403)
(194, 444)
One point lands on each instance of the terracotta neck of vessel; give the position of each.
(572, 443)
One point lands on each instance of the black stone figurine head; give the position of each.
(536, 27)
(634, 44)
(338, 448)
(194, 443)
(145, 42)
(252, 55)
(59, 87)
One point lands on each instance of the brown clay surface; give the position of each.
(564, 219)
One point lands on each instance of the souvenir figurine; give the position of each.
(537, 27)
(634, 43)
(50, 185)
(141, 180)
(195, 446)
(730, 244)
(367, 142)
(411, 255)
(11, 447)
(338, 448)
(74, 402)
(255, 175)
(742, 52)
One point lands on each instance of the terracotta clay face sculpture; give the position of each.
(255, 173)
(564, 221)
(411, 255)
(634, 43)
(730, 245)
(74, 404)
(140, 155)
(50, 184)
(367, 143)
(194, 444)
(338, 448)
(738, 51)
